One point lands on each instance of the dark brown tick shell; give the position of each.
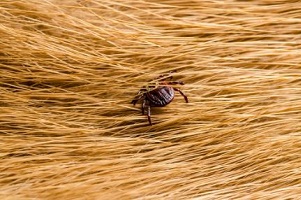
(161, 96)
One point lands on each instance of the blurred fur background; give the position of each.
(69, 70)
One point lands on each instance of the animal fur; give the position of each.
(69, 70)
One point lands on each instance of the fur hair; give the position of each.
(70, 68)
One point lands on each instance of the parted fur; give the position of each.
(69, 70)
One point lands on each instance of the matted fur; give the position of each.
(69, 70)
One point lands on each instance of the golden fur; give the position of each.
(69, 70)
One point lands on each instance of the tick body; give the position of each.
(161, 96)
(158, 94)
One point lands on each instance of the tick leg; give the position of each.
(163, 77)
(143, 107)
(149, 114)
(172, 83)
(134, 101)
(185, 97)
(137, 98)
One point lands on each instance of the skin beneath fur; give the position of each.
(68, 70)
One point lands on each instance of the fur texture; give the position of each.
(69, 70)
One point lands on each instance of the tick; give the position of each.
(158, 93)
